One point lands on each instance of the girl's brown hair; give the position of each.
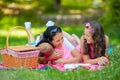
(99, 40)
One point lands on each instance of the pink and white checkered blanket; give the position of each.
(64, 67)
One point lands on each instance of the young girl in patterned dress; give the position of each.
(94, 44)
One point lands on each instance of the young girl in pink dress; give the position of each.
(54, 36)
(94, 44)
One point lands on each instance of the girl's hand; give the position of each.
(55, 55)
(59, 61)
(103, 61)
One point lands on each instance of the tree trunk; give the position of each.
(57, 4)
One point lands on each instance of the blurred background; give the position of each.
(66, 13)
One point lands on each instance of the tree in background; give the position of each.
(57, 4)
(111, 20)
(112, 17)
(114, 12)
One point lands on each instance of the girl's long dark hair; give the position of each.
(99, 40)
(49, 33)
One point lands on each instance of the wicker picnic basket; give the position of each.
(19, 56)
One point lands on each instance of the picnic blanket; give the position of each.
(64, 67)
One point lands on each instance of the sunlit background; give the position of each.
(70, 15)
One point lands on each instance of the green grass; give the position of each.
(110, 72)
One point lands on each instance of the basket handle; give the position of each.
(19, 27)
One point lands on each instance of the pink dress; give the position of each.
(66, 53)
(92, 54)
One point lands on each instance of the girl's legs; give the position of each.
(72, 38)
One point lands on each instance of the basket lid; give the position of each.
(22, 48)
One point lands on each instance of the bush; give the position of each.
(111, 20)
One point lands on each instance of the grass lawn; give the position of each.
(110, 72)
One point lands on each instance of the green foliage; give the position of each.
(77, 4)
(111, 20)
(112, 17)
(20, 11)
(114, 12)
(7, 22)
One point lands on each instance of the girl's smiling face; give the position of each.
(58, 40)
(88, 36)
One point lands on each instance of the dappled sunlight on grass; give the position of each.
(35, 31)
(115, 41)
(18, 37)
(38, 30)
(78, 30)
(3, 32)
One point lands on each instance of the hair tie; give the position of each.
(88, 26)
(50, 23)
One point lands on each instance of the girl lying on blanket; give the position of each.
(94, 44)
(46, 48)
(54, 36)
